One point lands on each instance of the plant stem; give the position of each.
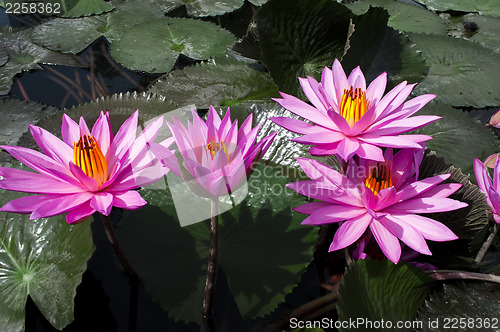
(485, 246)
(451, 275)
(110, 232)
(212, 259)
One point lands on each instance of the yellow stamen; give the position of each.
(89, 157)
(379, 179)
(214, 147)
(353, 105)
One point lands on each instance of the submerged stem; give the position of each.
(452, 274)
(110, 232)
(485, 246)
(212, 260)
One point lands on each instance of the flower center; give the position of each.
(89, 157)
(379, 179)
(214, 147)
(353, 105)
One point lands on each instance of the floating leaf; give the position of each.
(258, 2)
(455, 133)
(403, 16)
(3, 57)
(263, 249)
(299, 37)
(482, 29)
(44, 259)
(377, 48)
(74, 35)
(211, 7)
(461, 73)
(86, 8)
(154, 46)
(483, 7)
(381, 291)
(222, 82)
(120, 107)
(462, 306)
(24, 55)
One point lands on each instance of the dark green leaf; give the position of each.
(74, 35)
(263, 249)
(380, 290)
(223, 82)
(461, 303)
(403, 16)
(455, 133)
(154, 46)
(43, 258)
(377, 48)
(461, 73)
(86, 8)
(483, 7)
(299, 38)
(483, 29)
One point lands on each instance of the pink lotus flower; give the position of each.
(495, 119)
(491, 190)
(88, 171)
(217, 156)
(383, 197)
(352, 119)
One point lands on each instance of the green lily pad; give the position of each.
(200, 8)
(403, 16)
(120, 107)
(455, 133)
(154, 46)
(24, 55)
(381, 291)
(482, 29)
(3, 57)
(17, 115)
(376, 48)
(461, 73)
(74, 35)
(223, 82)
(258, 2)
(263, 249)
(483, 7)
(44, 259)
(462, 306)
(86, 8)
(299, 38)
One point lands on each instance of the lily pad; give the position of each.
(376, 48)
(86, 8)
(263, 249)
(44, 259)
(3, 57)
(403, 16)
(460, 304)
(482, 29)
(381, 291)
(461, 73)
(222, 82)
(74, 35)
(258, 2)
(483, 7)
(120, 107)
(299, 37)
(455, 134)
(24, 55)
(154, 46)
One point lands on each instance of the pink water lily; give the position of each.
(217, 155)
(87, 171)
(351, 119)
(489, 188)
(382, 198)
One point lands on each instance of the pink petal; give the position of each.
(369, 151)
(129, 200)
(124, 137)
(376, 89)
(406, 233)
(83, 178)
(427, 205)
(339, 79)
(387, 99)
(213, 118)
(18, 180)
(80, 213)
(416, 188)
(350, 231)
(245, 127)
(335, 213)
(403, 125)
(482, 177)
(84, 130)
(442, 190)
(320, 138)
(294, 125)
(348, 147)
(388, 243)
(70, 130)
(26, 204)
(310, 88)
(102, 132)
(135, 179)
(59, 205)
(102, 202)
(356, 79)
(400, 142)
(324, 149)
(309, 208)
(429, 228)
(329, 88)
(52, 146)
(339, 121)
